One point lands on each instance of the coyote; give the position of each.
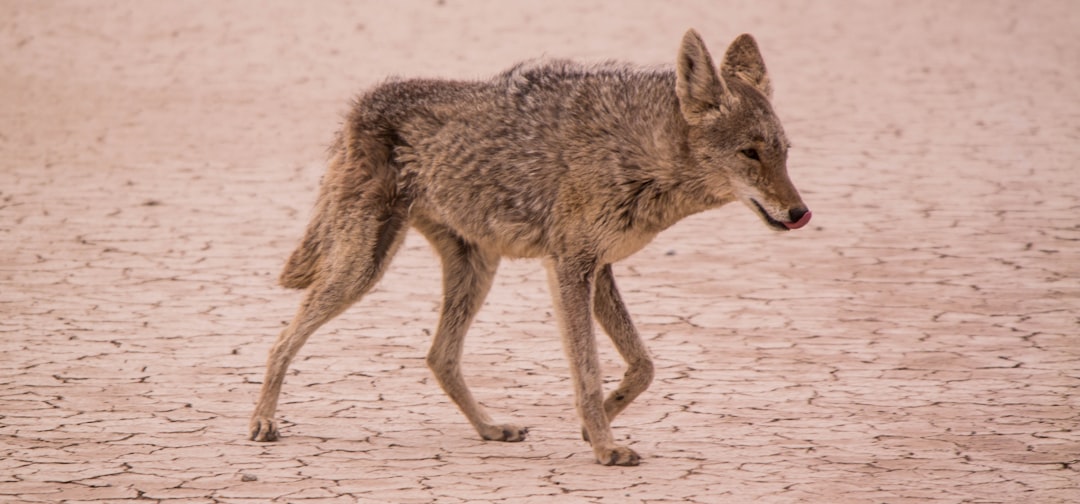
(581, 165)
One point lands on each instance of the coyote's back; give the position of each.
(581, 165)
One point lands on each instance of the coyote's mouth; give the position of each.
(773, 223)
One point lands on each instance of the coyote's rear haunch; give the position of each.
(579, 165)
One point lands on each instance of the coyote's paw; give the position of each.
(617, 455)
(505, 432)
(263, 429)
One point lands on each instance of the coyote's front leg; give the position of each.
(613, 317)
(572, 282)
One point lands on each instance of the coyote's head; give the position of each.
(734, 135)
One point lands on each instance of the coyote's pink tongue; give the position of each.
(800, 223)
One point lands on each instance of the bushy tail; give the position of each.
(360, 179)
(302, 266)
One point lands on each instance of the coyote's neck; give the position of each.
(665, 190)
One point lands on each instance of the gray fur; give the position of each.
(581, 165)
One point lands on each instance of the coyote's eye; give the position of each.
(750, 153)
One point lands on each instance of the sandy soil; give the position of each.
(916, 343)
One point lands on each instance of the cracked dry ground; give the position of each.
(916, 343)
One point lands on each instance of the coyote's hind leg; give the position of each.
(467, 275)
(366, 241)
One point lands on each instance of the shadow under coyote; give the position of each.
(580, 165)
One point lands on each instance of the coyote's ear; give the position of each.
(697, 84)
(743, 61)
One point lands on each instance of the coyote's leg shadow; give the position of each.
(369, 237)
(468, 272)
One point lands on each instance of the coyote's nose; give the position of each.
(799, 217)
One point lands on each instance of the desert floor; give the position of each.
(916, 343)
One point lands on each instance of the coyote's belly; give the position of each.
(489, 206)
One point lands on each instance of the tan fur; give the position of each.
(579, 165)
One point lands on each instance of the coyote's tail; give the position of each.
(361, 170)
(303, 264)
